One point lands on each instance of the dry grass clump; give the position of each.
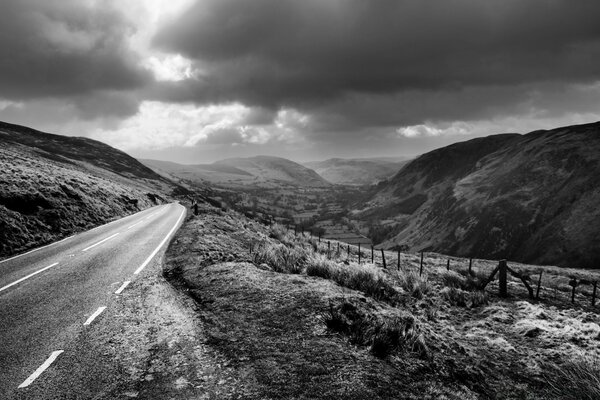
(577, 380)
(464, 281)
(415, 285)
(384, 335)
(363, 277)
(281, 258)
(462, 298)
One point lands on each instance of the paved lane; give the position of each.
(50, 296)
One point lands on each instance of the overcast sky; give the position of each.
(197, 81)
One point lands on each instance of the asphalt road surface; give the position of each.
(50, 296)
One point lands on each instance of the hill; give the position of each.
(356, 171)
(530, 198)
(52, 186)
(260, 171)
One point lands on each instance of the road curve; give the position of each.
(51, 295)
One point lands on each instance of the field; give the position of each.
(296, 321)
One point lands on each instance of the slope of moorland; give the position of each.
(52, 186)
(291, 320)
(259, 171)
(355, 171)
(532, 198)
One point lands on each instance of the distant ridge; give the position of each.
(531, 198)
(259, 171)
(358, 171)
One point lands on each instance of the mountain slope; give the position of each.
(260, 171)
(355, 171)
(52, 186)
(530, 198)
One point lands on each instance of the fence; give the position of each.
(562, 285)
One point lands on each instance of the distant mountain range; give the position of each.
(361, 171)
(259, 171)
(533, 198)
(52, 186)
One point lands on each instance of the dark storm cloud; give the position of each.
(308, 53)
(67, 48)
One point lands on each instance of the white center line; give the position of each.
(100, 242)
(41, 369)
(94, 315)
(123, 286)
(137, 271)
(28, 276)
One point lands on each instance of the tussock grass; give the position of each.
(363, 277)
(462, 280)
(415, 285)
(383, 334)
(576, 380)
(281, 258)
(462, 298)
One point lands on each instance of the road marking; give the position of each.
(100, 242)
(41, 369)
(123, 286)
(137, 223)
(39, 248)
(94, 315)
(137, 271)
(69, 237)
(28, 276)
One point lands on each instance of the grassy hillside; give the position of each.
(531, 198)
(52, 186)
(355, 171)
(294, 321)
(257, 172)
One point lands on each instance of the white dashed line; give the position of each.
(94, 315)
(34, 250)
(100, 242)
(137, 271)
(123, 286)
(41, 369)
(28, 276)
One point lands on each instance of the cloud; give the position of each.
(290, 53)
(60, 49)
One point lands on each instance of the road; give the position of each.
(51, 296)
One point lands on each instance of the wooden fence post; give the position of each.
(594, 294)
(348, 249)
(372, 255)
(338, 250)
(573, 283)
(383, 258)
(470, 266)
(421, 267)
(359, 252)
(319, 237)
(448, 265)
(502, 278)
(328, 248)
(537, 292)
(398, 259)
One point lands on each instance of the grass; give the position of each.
(576, 380)
(415, 285)
(363, 277)
(37, 208)
(384, 335)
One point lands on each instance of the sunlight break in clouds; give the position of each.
(160, 125)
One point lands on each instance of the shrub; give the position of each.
(579, 379)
